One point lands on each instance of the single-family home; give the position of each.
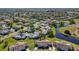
(19, 36)
(63, 46)
(43, 44)
(4, 31)
(19, 46)
(34, 35)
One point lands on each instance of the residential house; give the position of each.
(63, 46)
(19, 36)
(43, 44)
(16, 27)
(4, 31)
(34, 35)
(19, 46)
(44, 31)
(27, 29)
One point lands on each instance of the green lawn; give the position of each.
(10, 41)
(1, 47)
(76, 21)
(53, 29)
(30, 42)
(62, 29)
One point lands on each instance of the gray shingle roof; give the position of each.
(20, 36)
(19, 46)
(63, 46)
(43, 43)
(4, 31)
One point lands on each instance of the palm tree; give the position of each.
(40, 36)
(50, 34)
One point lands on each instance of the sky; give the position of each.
(39, 3)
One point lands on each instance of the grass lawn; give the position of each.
(10, 41)
(53, 39)
(76, 21)
(53, 29)
(70, 28)
(1, 47)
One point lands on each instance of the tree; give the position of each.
(0, 28)
(67, 32)
(61, 24)
(22, 31)
(10, 23)
(72, 21)
(50, 34)
(32, 27)
(71, 49)
(41, 36)
(4, 44)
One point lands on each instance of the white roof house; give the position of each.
(12, 30)
(44, 31)
(19, 36)
(28, 29)
(2, 23)
(4, 31)
(47, 28)
(34, 35)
